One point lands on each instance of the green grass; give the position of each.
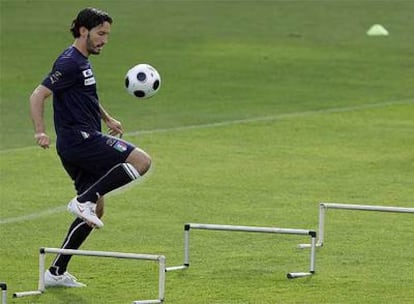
(324, 113)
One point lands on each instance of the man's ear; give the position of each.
(83, 31)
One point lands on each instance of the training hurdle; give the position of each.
(3, 287)
(290, 275)
(324, 206)
(120, 255)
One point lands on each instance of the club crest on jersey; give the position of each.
(120, 146)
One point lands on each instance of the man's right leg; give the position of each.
(136, 164)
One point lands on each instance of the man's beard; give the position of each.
(90, 47)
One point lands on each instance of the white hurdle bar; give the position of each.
(3, 287)
(324, 206)
(290, 275)
(109, 254)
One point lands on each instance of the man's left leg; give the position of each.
(76, 235)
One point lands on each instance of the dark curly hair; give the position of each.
(89, 17)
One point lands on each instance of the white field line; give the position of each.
(32, 216)
(55, 210)
(59, 209)
(249, 120)
(273, 117)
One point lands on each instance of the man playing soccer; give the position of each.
(96, 162)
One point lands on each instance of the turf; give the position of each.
(266, 109)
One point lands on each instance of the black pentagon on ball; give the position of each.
(141, 76)
(156, 85)
(126, 82)
(139, 94)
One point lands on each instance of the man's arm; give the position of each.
(37, 105)
(114, 126)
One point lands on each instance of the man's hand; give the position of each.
(114, 127)
(43, 140)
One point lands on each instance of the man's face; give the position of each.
(97, 38)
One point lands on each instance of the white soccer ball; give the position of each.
(142, 81)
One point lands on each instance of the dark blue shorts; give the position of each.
(87, 157)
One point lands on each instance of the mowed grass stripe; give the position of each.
(252, 120)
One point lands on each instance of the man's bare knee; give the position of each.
(140, 160)
(100, 207)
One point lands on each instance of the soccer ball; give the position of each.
(142, 81)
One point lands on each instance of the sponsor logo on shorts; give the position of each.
(110, 141)
(84, 134)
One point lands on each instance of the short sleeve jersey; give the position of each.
(75, 100)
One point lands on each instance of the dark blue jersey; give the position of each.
(75, 101)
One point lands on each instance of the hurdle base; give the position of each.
(27, 293)
(173, 268)
(303, 246)
(147, 301)
(295, 275)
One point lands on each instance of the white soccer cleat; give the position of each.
(64, 280)
(85, 211)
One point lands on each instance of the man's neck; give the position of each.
(81, 47)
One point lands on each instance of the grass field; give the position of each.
(266, 109)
